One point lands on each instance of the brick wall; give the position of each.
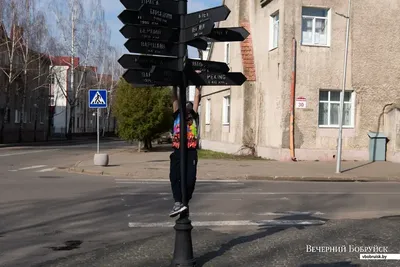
(247, 54)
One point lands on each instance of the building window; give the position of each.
(329, 109)
(226, 112)
(17, 116)
(227, 53)
(208, 111)
(315, 22)
(274, 31)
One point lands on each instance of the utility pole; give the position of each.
(72, 67)
(341, 109)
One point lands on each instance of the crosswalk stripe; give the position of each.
(47, 170)
(230, 223)
(29, 168)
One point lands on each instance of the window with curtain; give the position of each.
(329, 108)
(226, 112)
(315, 23)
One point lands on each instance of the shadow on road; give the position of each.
(359, 166)
(334, 264)
(264, 231)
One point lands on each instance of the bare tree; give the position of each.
(33, 23)
(11, 39)
(115, 71)
(79, 30)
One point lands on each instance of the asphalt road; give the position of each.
(45, 158)
(61, 219)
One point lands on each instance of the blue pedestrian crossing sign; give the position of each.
(97, 98)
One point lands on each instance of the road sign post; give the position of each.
(98, 100)
(160, 32)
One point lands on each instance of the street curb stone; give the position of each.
(252, 177)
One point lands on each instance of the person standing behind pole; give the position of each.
(192, 119)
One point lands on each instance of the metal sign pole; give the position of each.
(98, 131)
(341, 108)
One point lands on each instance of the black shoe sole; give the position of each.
(175, 213)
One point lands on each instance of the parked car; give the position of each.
(165, 138)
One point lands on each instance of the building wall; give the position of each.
(216, 135)
(371, 75)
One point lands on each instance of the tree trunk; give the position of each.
(6, 111)
(21, 116)
(69, 133)
(139, 145)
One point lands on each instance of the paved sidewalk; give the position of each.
(155, 165)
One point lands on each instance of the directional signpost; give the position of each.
(158, 32)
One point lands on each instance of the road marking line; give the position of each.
(47, 170)
(230, 223)
(134, 181)
(284, 213)
(29, 168)
(27, 152)
(249, 193)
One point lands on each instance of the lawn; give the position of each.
(208, 154)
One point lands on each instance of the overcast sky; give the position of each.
(114, 7)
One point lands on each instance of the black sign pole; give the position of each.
(183, 252)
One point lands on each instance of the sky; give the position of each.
(113, 8)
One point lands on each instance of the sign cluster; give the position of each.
(156, 31)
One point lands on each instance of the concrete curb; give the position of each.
(133, 176)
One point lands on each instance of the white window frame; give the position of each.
(226, 110)
(328, 27)
(208, 111)
(352, 110)
(227, 56)
(274, 26)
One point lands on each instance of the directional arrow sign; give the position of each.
(166, 5)
(154, 33)
(169, 75)
(207, 66)
(214, 14)
(145, 18)
(144, 78)
(235, 34)
(198, 30)
(147, 62)
(215, 78)
(198, 43)
(162, 17)
(150, 47)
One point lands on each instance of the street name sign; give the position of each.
(216, 78)
(147, 62)
(235, 34)
(152, 47)
(166, 5)
(207, 66)
(138, 18)
(215, 14)
(97, 98)
(143, 77)
(151, 33)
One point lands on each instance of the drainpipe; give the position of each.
(292, 99)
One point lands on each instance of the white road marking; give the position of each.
(284, 213)
(249, 193)
(27, 152)
(230, 223)
(29, 168)
(47, 170)
(149, 181)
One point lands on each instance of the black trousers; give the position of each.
(175, 173)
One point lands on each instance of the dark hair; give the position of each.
(189, 102)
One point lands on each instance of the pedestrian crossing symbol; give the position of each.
(98, 98)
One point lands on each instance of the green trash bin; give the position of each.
(377, 146)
